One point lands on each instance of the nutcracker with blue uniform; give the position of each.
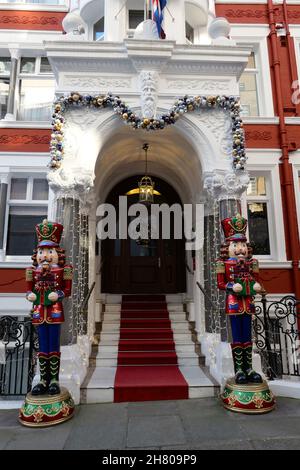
(237, 274)
(49, 281)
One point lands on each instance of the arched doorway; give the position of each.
(130, 266)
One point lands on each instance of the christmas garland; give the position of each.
(181, 106)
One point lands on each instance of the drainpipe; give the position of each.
(286, 168)
(290, 50)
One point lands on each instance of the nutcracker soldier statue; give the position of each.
(238, 275)
(49, 281)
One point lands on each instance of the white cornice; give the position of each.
(260, 120)
(24, 124)
(33, 7)
(270, 264)
(292, 120)
(133, 55)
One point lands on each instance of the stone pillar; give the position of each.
(11, 111)
(3, 199)
(71, 196)
(224, 193)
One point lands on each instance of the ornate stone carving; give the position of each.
(258, 135)
(28, 18)
(101, 84)
(219, 124)
(200, 86)
(71, 182)
(148, 84)
(24, 139)
(229, 185)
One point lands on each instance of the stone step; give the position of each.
(116, 316)
(112, 361)
(99, 386)
(177, 326)
(171, 307)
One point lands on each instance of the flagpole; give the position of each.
(147, 9)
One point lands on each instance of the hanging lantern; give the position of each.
(146, 185)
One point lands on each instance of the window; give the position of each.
(99, 30)
(4, 84)
(28, 201)
(135, 17)
(248, 88)
(258, 213)
(36, 89)
(189, 32)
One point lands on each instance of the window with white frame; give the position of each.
(248, 88)
(5, 65)
(27, 206)
(258, 211)
(36, 89)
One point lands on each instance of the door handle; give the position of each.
(159, 264)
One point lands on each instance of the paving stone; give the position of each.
(277, 444)
(9, 418)
(148, 431)
(261, 427)
(52, 438)
(201, 407)
(153, 408)
(215, 445)
(200, 428)
(99, 427)
(95, 412)
(5, 436)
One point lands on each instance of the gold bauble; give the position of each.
(146, 122)
(125, 116)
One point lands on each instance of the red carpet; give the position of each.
(147, 361)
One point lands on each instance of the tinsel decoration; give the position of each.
(180, 107)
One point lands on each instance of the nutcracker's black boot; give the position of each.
(54, 363)
(237, 354)
(252, 376)
(42, 387)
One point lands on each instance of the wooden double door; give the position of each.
(131, 266)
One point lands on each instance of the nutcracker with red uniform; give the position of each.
(49, 281)
(237, 274)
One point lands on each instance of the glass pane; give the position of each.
(36, 98)
(18, 188)
(257, 186)
(143, 248)
(189, 32)
(259, 228)
(40, 189)
(136, 17)
(45, 65)
(251, 61)
(248, 94)
(5, 65)
(99, 30)
(21, 237)
(28, 65)
(4, 89)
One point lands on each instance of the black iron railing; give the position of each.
(18, 353)
(276, 334)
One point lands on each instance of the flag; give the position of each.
(158, 16)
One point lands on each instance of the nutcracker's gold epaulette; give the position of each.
(255, 266)
(68, 273)
(29, 274)
(220, 267)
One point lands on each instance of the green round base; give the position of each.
(46, 410)
(249, 398)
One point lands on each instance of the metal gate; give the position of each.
(276, 334)
(18, 354)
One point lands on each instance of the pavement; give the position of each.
(184, 425)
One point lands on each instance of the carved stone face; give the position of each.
(238, 250)
(47, 256)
